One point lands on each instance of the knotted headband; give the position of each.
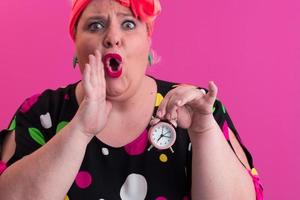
(144, 10)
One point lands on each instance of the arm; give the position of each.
(216, 171)
(49, 172)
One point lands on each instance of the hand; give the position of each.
(190, 107)
(94, 109)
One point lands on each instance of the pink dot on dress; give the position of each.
(29, 103)
(161, 198)
(83, 179)
(137, 146)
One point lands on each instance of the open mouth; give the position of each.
(112, 64)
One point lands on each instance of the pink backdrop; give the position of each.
(251, 49)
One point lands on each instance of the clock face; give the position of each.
(162, 135)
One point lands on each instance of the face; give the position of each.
(111, 28)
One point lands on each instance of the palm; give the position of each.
(94, 108)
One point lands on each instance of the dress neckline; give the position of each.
(140, 136)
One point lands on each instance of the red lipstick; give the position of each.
(112, 64)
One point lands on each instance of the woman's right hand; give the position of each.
(94, 109)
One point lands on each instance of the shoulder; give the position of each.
(48, 98)
(165, 86)
(43, 111)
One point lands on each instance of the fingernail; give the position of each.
(203, 91)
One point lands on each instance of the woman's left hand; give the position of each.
(190, 107)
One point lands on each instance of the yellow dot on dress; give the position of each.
(163, 157)
(254, 172)
(67, 198)
(159, 99)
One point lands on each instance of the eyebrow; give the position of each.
(124, 14)
(97, 17)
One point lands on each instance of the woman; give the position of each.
(89, 140)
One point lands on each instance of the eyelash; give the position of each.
(92, 27)
(129, 21)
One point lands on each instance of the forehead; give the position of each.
(103, 7)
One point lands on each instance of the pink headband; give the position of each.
(144, 10)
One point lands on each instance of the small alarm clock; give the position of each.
(162, 135)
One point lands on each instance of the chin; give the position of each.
(117, 88)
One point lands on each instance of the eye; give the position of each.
(96, 26)
(129, 25)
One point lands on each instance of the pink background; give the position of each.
(251, 49)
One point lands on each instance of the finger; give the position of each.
(161, 111)
(154, 121)
(212, 92)
(172, 106)
(191, 95)
(100, 68)
(86, 80)
(101, 74)
(93, 72)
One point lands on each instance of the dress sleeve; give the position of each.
(223, 119)
(3, 134)
(28, 135)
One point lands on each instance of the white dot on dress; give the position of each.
(105, 151)
(46, 120)
(190, 147)
(134, 188)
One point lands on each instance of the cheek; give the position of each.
(139, 51)
(83, 50)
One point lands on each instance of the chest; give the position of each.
(124, 128)
(115, 173)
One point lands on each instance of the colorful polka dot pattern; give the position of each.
(223, 109)
(105, 151)
(12, 126)
(83, 179)
(61, 125)
(159, 99)
(46, 120)
(134, 182)
(161, 198)
(254, 172)
(137, 146)
(37, 136)
(29, 103)
(67, 97)
(163, 158)
(2, 167)
(225, 130)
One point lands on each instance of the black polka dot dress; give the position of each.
(132, 172)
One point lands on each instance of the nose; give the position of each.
(112, 38)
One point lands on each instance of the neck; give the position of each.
(125, 102)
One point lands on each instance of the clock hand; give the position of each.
(161, 135)
(166, 133)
